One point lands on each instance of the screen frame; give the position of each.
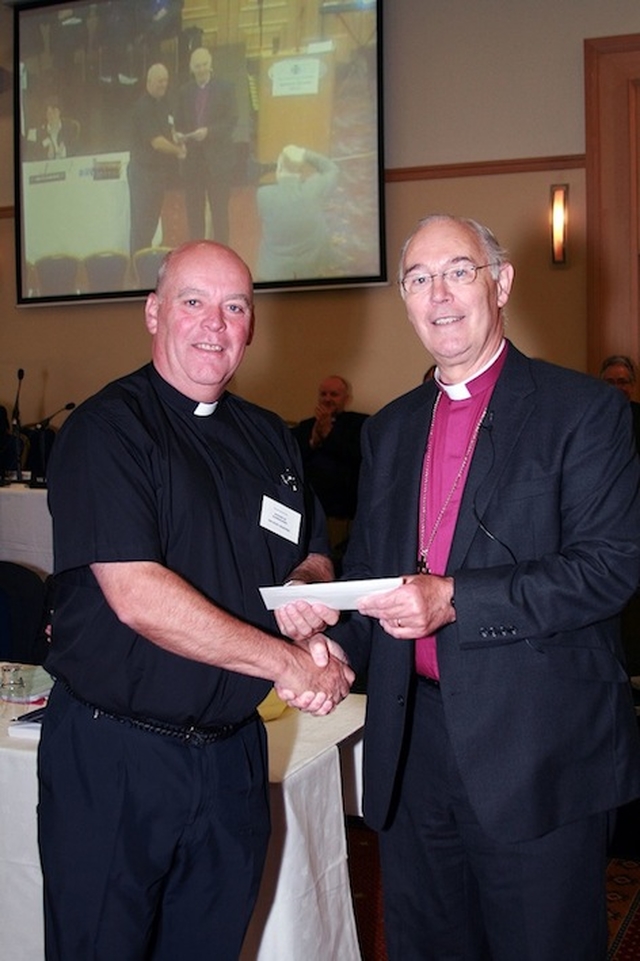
(29, 295)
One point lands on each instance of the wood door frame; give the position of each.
(612, 104)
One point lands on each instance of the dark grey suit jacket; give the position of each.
(220, 119)
(546, 553)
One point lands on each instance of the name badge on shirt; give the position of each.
(281, 520)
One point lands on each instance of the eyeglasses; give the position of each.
(618, 381)
(459, 276)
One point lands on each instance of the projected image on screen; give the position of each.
(146, 123)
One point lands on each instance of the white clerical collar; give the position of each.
(461, 391)
(205, 410)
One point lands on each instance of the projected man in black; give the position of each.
(153, 156)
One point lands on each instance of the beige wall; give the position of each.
(68, 352)
(490, 79)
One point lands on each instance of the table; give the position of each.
(304, 908)
(26, 535)
(76, 205)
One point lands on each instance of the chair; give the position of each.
(146, 263)
(106, 271)
(22, 610)
(57, 275)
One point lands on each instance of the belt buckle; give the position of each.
(195, 737)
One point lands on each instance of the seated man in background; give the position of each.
(620, 371)
(330, 445)
(57, 136)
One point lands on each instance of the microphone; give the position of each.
(41, 442)
(487, 421)
(15, 416)
(44, 423)
(16, 429)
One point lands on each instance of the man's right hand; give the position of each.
(300, 619)
(315, 687)
(323, 425)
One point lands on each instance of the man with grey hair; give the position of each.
(206, 117)
(620, 371)
(500, 735)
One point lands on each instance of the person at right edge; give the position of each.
(500, 735)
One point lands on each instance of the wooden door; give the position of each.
(612, 90)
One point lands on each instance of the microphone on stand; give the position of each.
(44, 423)
(16, 429)
(45, 437)
(15, 416)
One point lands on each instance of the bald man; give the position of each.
(154, 803)
(153, 157)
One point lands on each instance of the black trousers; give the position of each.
(146, 194)
(202, 183)
(151, 849)
(451, 893)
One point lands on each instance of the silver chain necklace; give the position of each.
(427, 542)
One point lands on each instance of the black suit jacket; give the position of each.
(220, 118)
(545, 554)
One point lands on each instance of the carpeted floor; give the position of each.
(623, 899)
(623, 908)
(364, 870)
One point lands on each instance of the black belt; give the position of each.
(429, 681)
(196, 736)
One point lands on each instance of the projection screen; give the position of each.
(142, 124)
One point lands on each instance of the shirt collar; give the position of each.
(205, 410)
(462, 390)
(179, 401)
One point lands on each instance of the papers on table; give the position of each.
(340, 595)
(27, 725)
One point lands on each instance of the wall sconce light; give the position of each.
(559, 213)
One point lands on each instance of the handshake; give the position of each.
(317, 675)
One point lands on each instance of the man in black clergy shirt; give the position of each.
(154, 156)
(500, 733)
(172, 502)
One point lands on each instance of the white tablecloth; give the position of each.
(304, 909)
(25, 528)
(68, 209)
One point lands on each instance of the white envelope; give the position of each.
(340, 595)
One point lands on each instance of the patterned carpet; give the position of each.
(623, 899)
(623, 902)
(364, 869)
